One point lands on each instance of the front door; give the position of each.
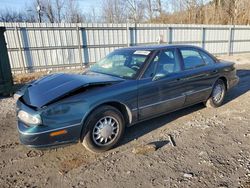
(161, 89)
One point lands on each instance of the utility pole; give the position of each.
(38, 9)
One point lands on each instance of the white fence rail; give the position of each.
(36, 47)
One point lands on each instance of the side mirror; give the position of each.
(158, 77)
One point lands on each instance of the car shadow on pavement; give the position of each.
(242, 87)
(140, 129)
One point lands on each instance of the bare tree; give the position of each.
(59, 9)
(73, 13)
(56, 11)
(48, 10)
(117, 11)
(153, 11)
(159, 6)
(12, 16)
(114, 11)
(93, 16)
(149, 8)
(136, 10)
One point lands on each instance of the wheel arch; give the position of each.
(224, 79)
(123, 108)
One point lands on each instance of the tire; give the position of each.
(218, 94)
(106, 122)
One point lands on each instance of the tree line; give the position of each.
(135, 11)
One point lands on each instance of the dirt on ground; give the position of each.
(193, 147)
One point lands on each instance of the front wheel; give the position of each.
(218, 94)
(105, 128)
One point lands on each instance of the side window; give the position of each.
(163, 64)
(191, 58)
(208, 60)
(167, 63)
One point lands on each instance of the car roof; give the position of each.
(158, 47)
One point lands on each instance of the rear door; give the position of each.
(1, 75)
(198, 74)
(161, 88)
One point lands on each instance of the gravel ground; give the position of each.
(193, 147)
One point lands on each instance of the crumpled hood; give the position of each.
(52, 87)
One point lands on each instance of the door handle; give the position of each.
(180, 79)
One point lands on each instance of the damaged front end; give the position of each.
(58, 123)
(50, 110)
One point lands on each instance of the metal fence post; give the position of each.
(169, 35)
(85, 46)
(131, 31)
(133, 35)
(135, 31)
(127, 29)
(26, 48)
(203, 39)
(79, 45)
(20, 50)
(229, 51)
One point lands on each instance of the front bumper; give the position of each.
(39, 137)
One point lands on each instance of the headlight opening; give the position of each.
(31, 119)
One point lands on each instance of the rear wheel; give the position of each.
(105, 128)
(218, 94)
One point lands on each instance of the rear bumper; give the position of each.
(38, 138)
(233, 82)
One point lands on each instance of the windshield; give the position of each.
(121, 63)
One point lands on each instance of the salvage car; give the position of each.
(128, 86)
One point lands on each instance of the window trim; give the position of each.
(147, 64)
(201, 51)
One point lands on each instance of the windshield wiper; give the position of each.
(124, 77)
